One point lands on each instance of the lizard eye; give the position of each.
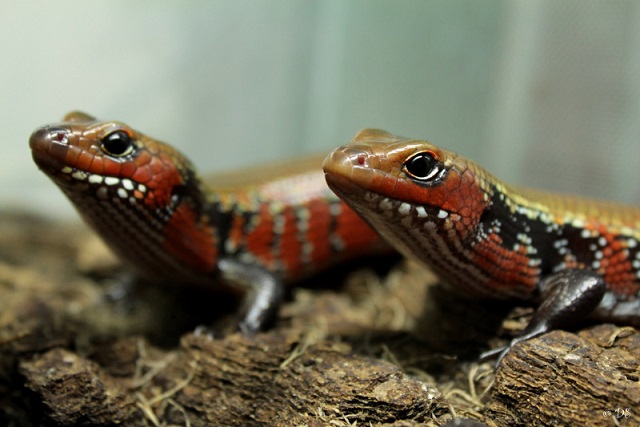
(118, 143)
(423, 166)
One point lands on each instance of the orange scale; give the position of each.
(495, 239)
(318, 237)
(72, 157)
(193, 246)
(351, 236)
(626, 288)
(111, 168)
(290, 255)
(142, 175)
(150, 200)
(128, 169)
(162, 197)
(84, 160)
(321, 253)
(157, 168)
(460, 225)
(97, 166)
(259, 241)
(236, 232)
(618, 257)
(617, 245)
(389, 185)
(144, 158)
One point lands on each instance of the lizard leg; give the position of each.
(264, 297)
(567, 297)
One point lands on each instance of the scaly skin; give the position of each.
(149, 205)
(488, 239)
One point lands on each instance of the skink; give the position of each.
(577, 257)
(262, 229)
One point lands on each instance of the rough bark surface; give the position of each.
(566, 379)
(80, 346)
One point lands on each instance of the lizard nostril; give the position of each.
(59, 136)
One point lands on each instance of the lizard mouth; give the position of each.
(352, 173)
(49, 146)
(342, 186)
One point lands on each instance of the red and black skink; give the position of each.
(261, 228)
(576, 256)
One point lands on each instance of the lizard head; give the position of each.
(390, 179)
(135, 191)
(426, 201)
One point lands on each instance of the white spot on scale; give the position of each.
(404, 209)
(631, 243)
(79, 175)
(279, 223)
(636, 264)
(247, 258)
(302, 220)
(585, 234)
(385, 204)
(304, 214)
(578, 223)
(111, 180)
(422, 213)
(127, 184)
(122, 193)
(442, 214)
(602, 241)
(307, 248)
(229, 246)
(595, 264)
(142, 188)
(559, 267)
(598, 255)
(66, 169)
(95, 179)
(275, 208)
(337, 242)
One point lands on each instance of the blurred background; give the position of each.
(540, 92)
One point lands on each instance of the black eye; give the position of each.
(117, 143)
(423, 167)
